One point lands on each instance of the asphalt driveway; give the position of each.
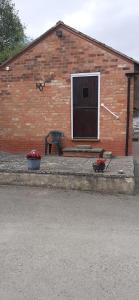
(68, 245)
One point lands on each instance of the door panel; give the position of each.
(85, 107)
(85, 123)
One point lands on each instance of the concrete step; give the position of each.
(81, 151)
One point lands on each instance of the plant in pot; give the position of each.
(99, 165)
(33, 159)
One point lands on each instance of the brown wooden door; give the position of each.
(85, 107)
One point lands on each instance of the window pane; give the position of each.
(85, 92)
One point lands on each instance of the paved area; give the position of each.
(65, 165)
(68, 245)
(69, 173)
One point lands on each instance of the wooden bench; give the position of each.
(83, 152)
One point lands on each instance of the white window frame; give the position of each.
(85, 75)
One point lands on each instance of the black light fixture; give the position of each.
(59, 33)
(41, 84)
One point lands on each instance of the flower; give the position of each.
(99, 165)
(33, 154)
(100, 161)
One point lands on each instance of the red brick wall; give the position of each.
(27, 115)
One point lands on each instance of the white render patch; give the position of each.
(122, 66)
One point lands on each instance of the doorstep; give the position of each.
(83, 151)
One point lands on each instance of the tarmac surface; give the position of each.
(58, 244)
(68, 245)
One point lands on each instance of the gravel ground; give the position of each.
(70, 165)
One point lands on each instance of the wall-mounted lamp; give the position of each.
(59, 33)
(41, 84)
(7, 68)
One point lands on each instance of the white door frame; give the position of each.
(85, 75)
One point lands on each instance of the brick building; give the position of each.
(68, 81)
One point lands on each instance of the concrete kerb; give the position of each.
(69, 173)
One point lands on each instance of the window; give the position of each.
(85, 92)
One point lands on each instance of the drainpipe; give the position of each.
(129, 76)
(128, 112)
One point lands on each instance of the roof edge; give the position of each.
(32, 44)
(104, 46)
(74, 31)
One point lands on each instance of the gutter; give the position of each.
(129, 77)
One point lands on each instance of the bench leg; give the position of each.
(49, 149)
(59, 149)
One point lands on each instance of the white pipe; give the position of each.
(117, 117)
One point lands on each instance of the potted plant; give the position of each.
(99, 165)
(34, 159)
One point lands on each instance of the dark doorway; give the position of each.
(85, 107)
